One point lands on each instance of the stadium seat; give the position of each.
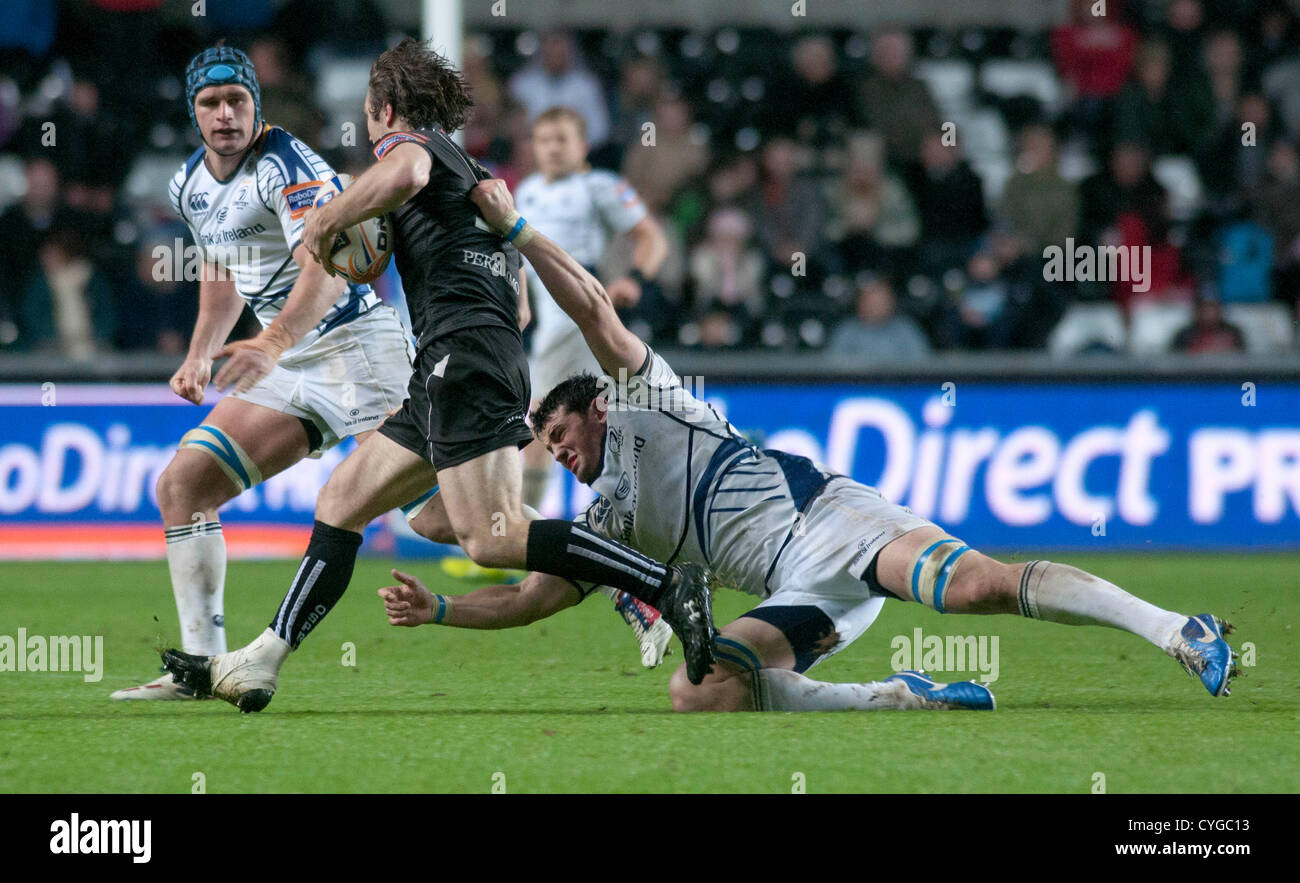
(1268, 328)
(1153, 326)
(13, 183)
(1076, 163)
(1178, 175)
(994, 172)
(341, 87)
(951, 83)
(1008, 78)
(986, 136)
(1282, 86)
(1085, 327)
(146, 182)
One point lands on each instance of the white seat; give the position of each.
(13, 180)
(1084, 325)
(1178, 175)
(951, 83)
(1267, 327)
(1282, 85)
(1009, 78)
(994, 171)
(341, 86)
(986, 135)
(1154, 324)
(1077, 164)
(146, 183)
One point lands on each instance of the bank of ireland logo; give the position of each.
(624, 487)
(199, 202)
(221, 215)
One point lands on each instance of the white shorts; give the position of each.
(347, 381)
(557, 359)
(823, 568)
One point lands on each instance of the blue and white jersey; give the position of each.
(581, 213)
(250, 224)
(708, 495)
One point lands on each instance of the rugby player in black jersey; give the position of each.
(460, 429)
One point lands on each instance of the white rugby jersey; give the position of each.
(581, 213)
(250, 224)
(679, 482)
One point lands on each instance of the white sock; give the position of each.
(778, 689)
(196, 557)
(1060, 593)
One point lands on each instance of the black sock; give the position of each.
(321, 580)
(562, 548)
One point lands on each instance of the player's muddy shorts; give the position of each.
(824, 595)
(468, 396)
(345, 382)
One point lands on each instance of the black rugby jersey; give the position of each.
(456, 272)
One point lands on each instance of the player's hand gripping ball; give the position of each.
(361, 252)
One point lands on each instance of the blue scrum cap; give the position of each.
(222, 66)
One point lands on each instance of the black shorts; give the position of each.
(468, 396)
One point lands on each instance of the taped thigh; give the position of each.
(931, 572)
(233, 460)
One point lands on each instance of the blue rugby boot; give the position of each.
(1200, 647)
(945, 697)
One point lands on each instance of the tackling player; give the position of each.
(463, 421)
(330, 362)
(582, 209)
(677, 481)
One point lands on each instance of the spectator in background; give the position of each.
(26, 38)
(1224, 77)
(1152, 110)
(892, 101)
(727, 271)
(1038, 204)
(23, 227)
(1274, 36)
(1233, 165)
(162, 312)
(791, 215)
(641, 83)
(286, 100)
(730, 180)
(950, 201)
(1093, 55)
(67, 304)
(1184, 32)
(659, 169)
(878, 334)
(1125, 186)
(557, 77)
(808, 101)
(486, 132)
(876, 218)
(1277, 207)
(1209, 332)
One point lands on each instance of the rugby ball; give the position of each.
(359, 253)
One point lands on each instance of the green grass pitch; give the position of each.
(564, 706)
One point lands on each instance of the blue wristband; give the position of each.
(441, 610)
(516, 229)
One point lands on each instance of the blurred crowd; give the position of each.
(879, 194)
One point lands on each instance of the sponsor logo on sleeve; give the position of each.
(301, 197)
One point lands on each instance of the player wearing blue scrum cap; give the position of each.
(330, 361)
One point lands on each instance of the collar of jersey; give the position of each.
(255, 144)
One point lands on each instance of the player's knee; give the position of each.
(715, 694)
(182, 491)
(978, 585)
(483, 548)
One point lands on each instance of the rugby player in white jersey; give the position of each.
(582, 209)
(331, 360)
(677, 481)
